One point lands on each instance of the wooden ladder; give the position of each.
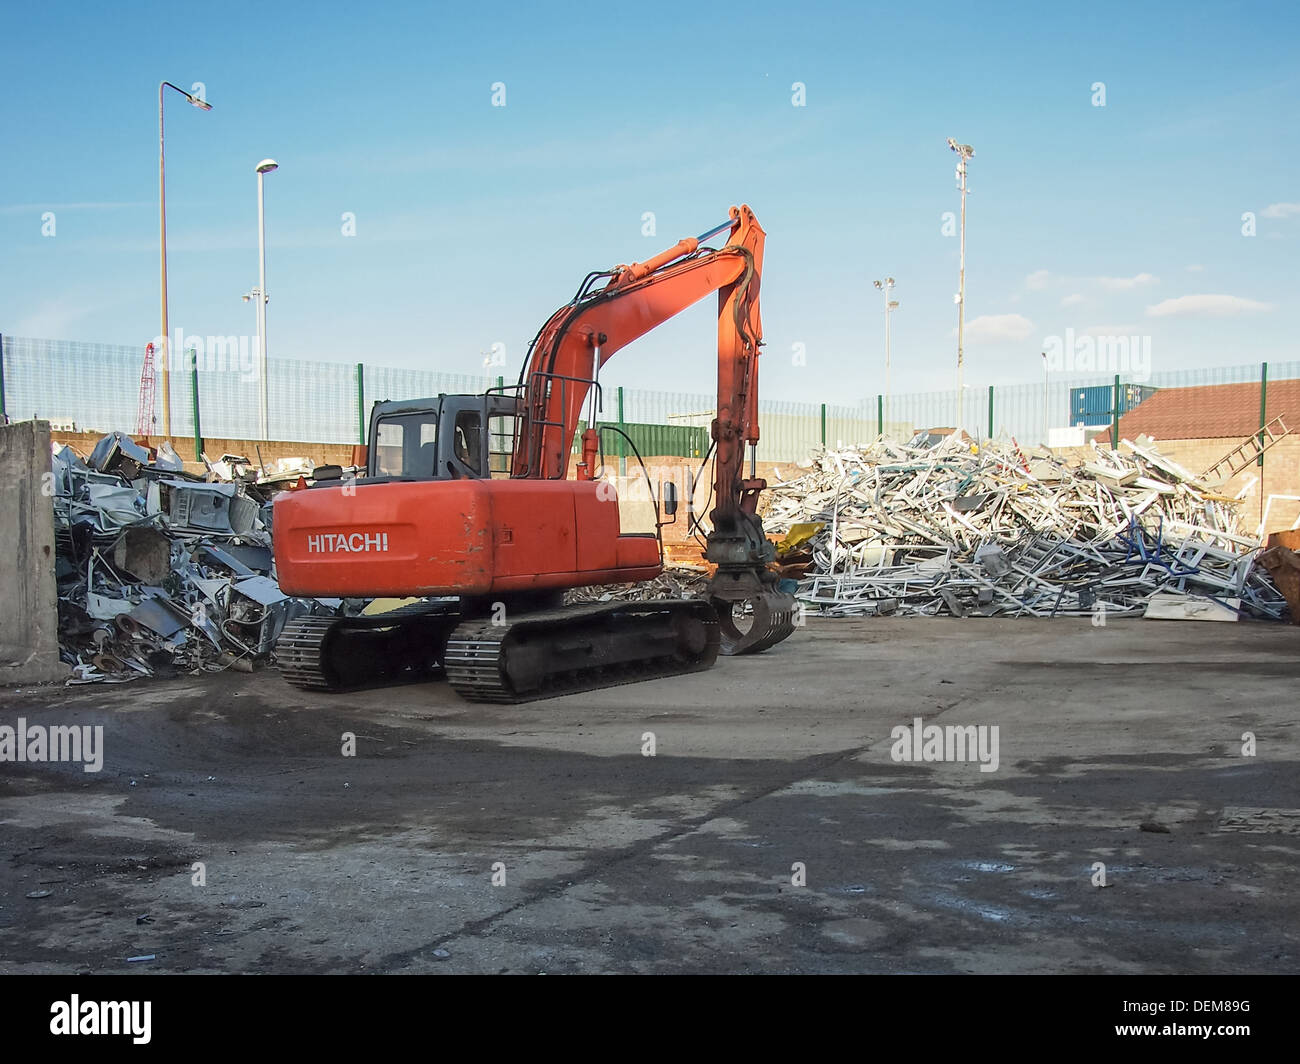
(1247, 451)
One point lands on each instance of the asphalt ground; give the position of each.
(772, 829)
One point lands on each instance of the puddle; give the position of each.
(834, 788)
(980, 909)
(989, 866)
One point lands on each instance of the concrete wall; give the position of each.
(29, 623)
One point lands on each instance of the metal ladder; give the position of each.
(1247, 451)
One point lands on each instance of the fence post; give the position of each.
(823, 425)
(1263, 416)
(1114, 417)
(990, 411)
(880, 415)
(194, 398)
(622, 443)
(501, 383)
(361, 401)
(4, 410)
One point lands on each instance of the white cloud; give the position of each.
(1120, 284)
(1073, 300)
(999, 327)
(1211, 306)
(1112, 330)
(1040, 280)
(1280, 210)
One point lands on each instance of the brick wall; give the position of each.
(320, 453)
(1280, 476)
(637, 514)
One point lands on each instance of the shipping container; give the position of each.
(1093, 406)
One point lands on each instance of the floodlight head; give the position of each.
(876, 283)
(893, 304)
(267, 165)
(889, 281)
(201, 104)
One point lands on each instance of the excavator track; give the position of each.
(580, 648)
(340, 653)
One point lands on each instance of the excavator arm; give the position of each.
(569, 350)
(564, 364)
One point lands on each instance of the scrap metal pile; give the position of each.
(675, 582)
(162, 570)
(945, 526)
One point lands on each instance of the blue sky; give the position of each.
(474, 222)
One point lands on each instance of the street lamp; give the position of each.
(890, 305)
(964, 153)
(263, 168)
(1046, 422)
(202, 105)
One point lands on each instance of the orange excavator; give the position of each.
(467, 505)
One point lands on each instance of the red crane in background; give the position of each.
(145, 419)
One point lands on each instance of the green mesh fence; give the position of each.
(96, 387)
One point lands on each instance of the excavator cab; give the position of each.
(446, 437)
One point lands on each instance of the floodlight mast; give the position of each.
(964, 153)
(890, 305)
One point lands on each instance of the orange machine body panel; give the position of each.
(455, 537)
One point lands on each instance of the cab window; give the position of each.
(467, 444)
(406, 445)
(501, 444)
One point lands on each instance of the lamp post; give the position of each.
(263, 168)
(1046, 422)
(890, 305)
(202, 105)
(964, 153)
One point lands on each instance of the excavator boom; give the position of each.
(578, 339)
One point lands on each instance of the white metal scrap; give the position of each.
(984, 529)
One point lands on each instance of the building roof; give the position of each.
(1210, 412)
